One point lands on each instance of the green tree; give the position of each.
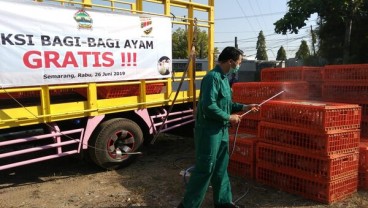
(303, 51)
(340, 13)
(261, 47)
(202, 44)
(281, 54)
(180, 44)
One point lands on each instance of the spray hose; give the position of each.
(188, 170)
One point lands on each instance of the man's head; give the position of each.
(230, 59)
(163, 65)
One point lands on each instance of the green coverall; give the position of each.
(212, 141)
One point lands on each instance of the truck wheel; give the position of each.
(114, 143)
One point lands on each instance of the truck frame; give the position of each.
(39, 123)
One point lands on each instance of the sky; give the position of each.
(244, 19)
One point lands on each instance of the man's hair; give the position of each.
(230, 53)
(164, 58)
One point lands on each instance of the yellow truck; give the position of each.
(94, 77)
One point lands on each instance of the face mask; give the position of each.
(234, 70)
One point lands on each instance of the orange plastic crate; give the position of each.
(35, 94)
(363, 156)
(313, 115)
(345, 91)
(241, 131)
(247, 126)
(363, 180)
(154, 88)
(256, 92)
(124, 90)
(352, 72)
(364, 111)
(113, 91)
(345, 141)
(251, 115)
(243, 169)
(117, 91)
(323, 191)
(303, 163)
(299, 73)
(315, 90)
(20, 95)
(313, 73)
(282, 74)
(59, 92)
(243, 149)
(364, 129)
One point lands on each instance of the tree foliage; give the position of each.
(303, 51)
(202, 44)
(301, 10)
(281, 54)
(261, 47)
(341, 22)
(180, 44)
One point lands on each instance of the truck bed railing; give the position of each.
(57, 144)
(46, 104)
(185, 117)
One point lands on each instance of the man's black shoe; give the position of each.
(181, 205)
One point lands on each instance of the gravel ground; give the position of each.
(153, 180)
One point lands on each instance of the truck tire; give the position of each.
(112, 140)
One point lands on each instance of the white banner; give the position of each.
(43, 44)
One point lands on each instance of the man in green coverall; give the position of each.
(214, 115)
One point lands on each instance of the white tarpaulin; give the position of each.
(44, 44)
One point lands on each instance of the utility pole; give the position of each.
(313, 41)
(236, 42)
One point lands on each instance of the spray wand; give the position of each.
(237, 128)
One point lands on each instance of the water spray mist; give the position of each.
(265, 101)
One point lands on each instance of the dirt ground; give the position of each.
(153, 180)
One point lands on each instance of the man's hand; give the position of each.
(252, 107)
(234, 119)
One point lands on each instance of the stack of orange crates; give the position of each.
(242, 155)
(257, 92)
(309, 148)
(248, 93)
(348, 84)
(297, 82)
